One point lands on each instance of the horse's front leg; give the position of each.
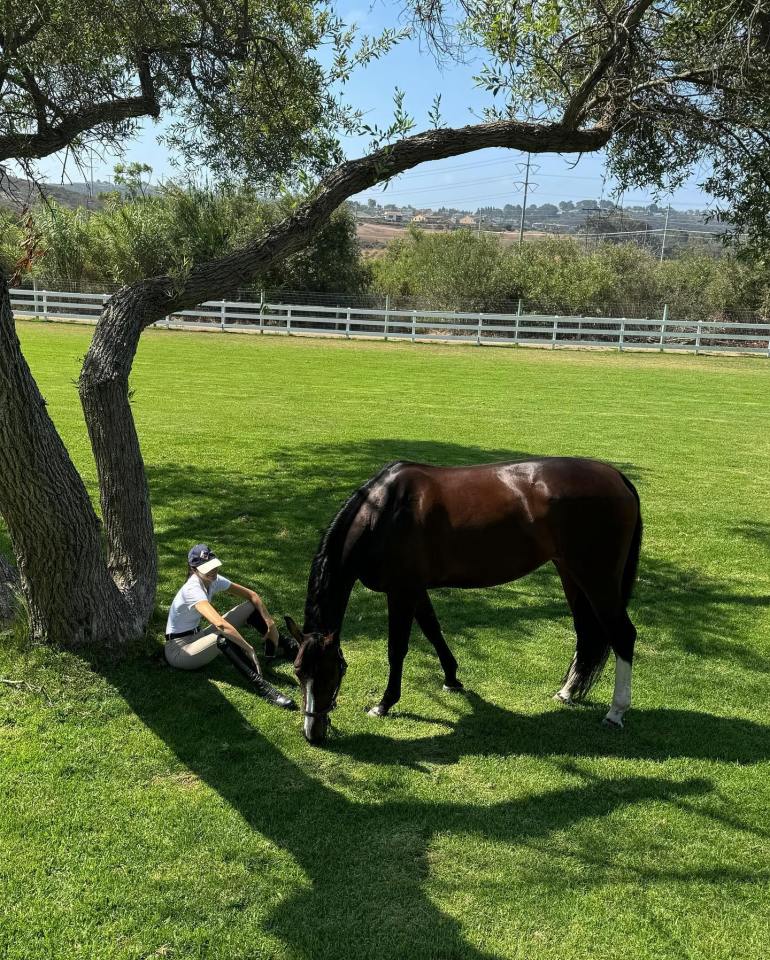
(400, 616)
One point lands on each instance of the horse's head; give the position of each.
(320, 667)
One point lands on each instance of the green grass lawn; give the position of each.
(151, 813)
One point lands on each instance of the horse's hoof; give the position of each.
(565, 701)
(612, 724)
(455, 687)
(378, 711)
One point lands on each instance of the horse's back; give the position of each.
(488, 524)
(534, 483)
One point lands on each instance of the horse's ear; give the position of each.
(294, 630)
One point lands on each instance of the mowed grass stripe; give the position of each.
(153, 813)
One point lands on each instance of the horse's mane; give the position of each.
(329, 553)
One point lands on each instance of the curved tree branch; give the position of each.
(219, 277)
(103, 380)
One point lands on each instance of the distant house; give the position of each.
(429, 219)
(394, 216)
(468, 221)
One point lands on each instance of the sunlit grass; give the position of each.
(150, 813)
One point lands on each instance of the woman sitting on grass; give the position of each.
(188, 646)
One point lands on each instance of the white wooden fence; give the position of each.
(531, 329)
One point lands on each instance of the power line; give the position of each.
(447, 188)
(665, 228)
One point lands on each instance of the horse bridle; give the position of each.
(324, 714)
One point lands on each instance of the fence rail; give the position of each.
(529, 329)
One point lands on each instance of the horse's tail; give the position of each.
(632, 560)
(591, 650)
(593, 644)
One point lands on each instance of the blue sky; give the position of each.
(485, 178)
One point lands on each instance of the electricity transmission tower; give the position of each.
(526, 185)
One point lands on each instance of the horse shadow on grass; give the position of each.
(490, 730)
(366, 860)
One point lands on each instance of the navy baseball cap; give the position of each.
(202, 558)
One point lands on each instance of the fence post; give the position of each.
(555, 328)
(45, 304)
(663, 324)
(262, 306)
(622, 332)
(478, 332)
(516, 326)
(288, 320)
(414, 326)
(34, 295)
(347, 324)
(387, 313)
(698, 331)
(222, 316)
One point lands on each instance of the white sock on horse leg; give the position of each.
(621, 698)
(565, 694)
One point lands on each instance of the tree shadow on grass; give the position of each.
(758, 531)
(266, 521)
(367, 862)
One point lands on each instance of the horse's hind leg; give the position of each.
(622, 635)
(400, 616)
(619, 634)
(428, 623)
(591, 647)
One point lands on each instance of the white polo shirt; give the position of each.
(183, 616)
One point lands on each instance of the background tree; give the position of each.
(564, 76)
(447, 270)
(134, 177)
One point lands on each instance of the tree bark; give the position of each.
(124, 494)
(9, 582)
(55, 533)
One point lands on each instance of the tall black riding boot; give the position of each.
(240, 661)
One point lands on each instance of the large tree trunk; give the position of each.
(104, 394)
(9, 582)
(56, 536)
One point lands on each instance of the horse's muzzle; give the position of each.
(316, 728)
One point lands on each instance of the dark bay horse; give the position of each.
(414, 527)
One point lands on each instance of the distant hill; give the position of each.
(17, 193)
(102, 186)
